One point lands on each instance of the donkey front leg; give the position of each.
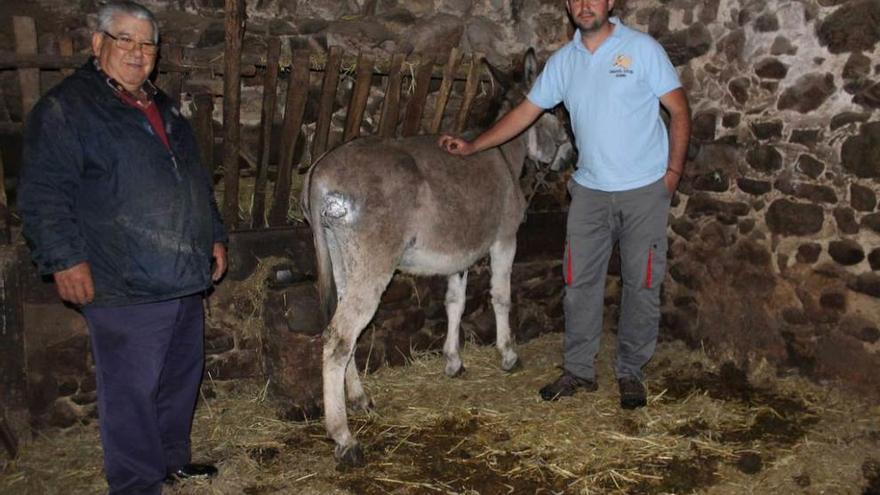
(502, 253)
(455, 300)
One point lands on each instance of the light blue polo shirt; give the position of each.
(613, 99)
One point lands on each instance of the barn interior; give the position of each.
(767, 377)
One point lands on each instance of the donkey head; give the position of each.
(549, 141)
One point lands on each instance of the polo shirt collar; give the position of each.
(617, 33)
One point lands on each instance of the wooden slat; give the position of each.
(203, 124)
(231, 109)
(445, 89)
(369, 7)
(359, 96)
(5, 234)
(391, 104)
(416, 105)
(65, 48)
(267, 116)
(172, 82)
(470, 92)
(294, 109)
(328, 98)
(28, 79)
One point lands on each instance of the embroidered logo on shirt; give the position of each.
(621, 66)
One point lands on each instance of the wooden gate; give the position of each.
(405, 81)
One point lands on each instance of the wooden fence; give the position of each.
(415, 73)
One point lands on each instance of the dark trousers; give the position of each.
(149, 360)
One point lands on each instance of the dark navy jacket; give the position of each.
(98, 185)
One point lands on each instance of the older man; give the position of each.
(612, 79)
(118, 209)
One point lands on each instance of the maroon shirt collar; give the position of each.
(148, 87)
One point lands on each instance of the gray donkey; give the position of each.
(380, 205)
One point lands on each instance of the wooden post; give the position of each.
(445, 89)
(28, 79)
(294, 110)
(203, 124)
(65, 48)
(8, 437)
(391, 104)
(328, 98)
(231, 109)
(270, 88)
(470, 92)
(172, 82)
(13, 363)
(359, 96)
(5, 217)
(412, 120)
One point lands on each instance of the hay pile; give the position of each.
(708, 429)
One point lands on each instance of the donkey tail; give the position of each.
(326, 285)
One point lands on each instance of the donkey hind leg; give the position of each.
(352, 315)
(455, 300)
(502, 253)
(354, 390)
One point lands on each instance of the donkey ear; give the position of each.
(530, 67)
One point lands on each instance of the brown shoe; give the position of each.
(632, 393)
(566, 385)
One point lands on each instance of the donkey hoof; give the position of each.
(363, 405)
(455, 373)
(350, 457)
(514, 365)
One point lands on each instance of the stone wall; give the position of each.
(775, 231)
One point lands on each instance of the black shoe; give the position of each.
(632, 393)
(566, 385)
(191, 472)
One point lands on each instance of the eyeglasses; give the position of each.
(128, 44)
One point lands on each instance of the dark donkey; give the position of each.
(377, 205)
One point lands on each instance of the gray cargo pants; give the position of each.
(637, 219)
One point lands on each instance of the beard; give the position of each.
(592, 25)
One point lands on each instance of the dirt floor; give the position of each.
(708, 429)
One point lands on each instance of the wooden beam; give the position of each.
(203, 124)
(231, 109)
(445, 89)
(415, 106)
(328, 100)
(359, 95)
(267, 119)
(294, 110)
(391, 104)
(201, 60)
(10, 60)
(470, 92)
(28, 79)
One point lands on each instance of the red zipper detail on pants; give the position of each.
(568, 271)
(648, 271)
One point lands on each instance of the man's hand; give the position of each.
(75, 284)
(455, 146)
(219, 254)
(671, 180)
